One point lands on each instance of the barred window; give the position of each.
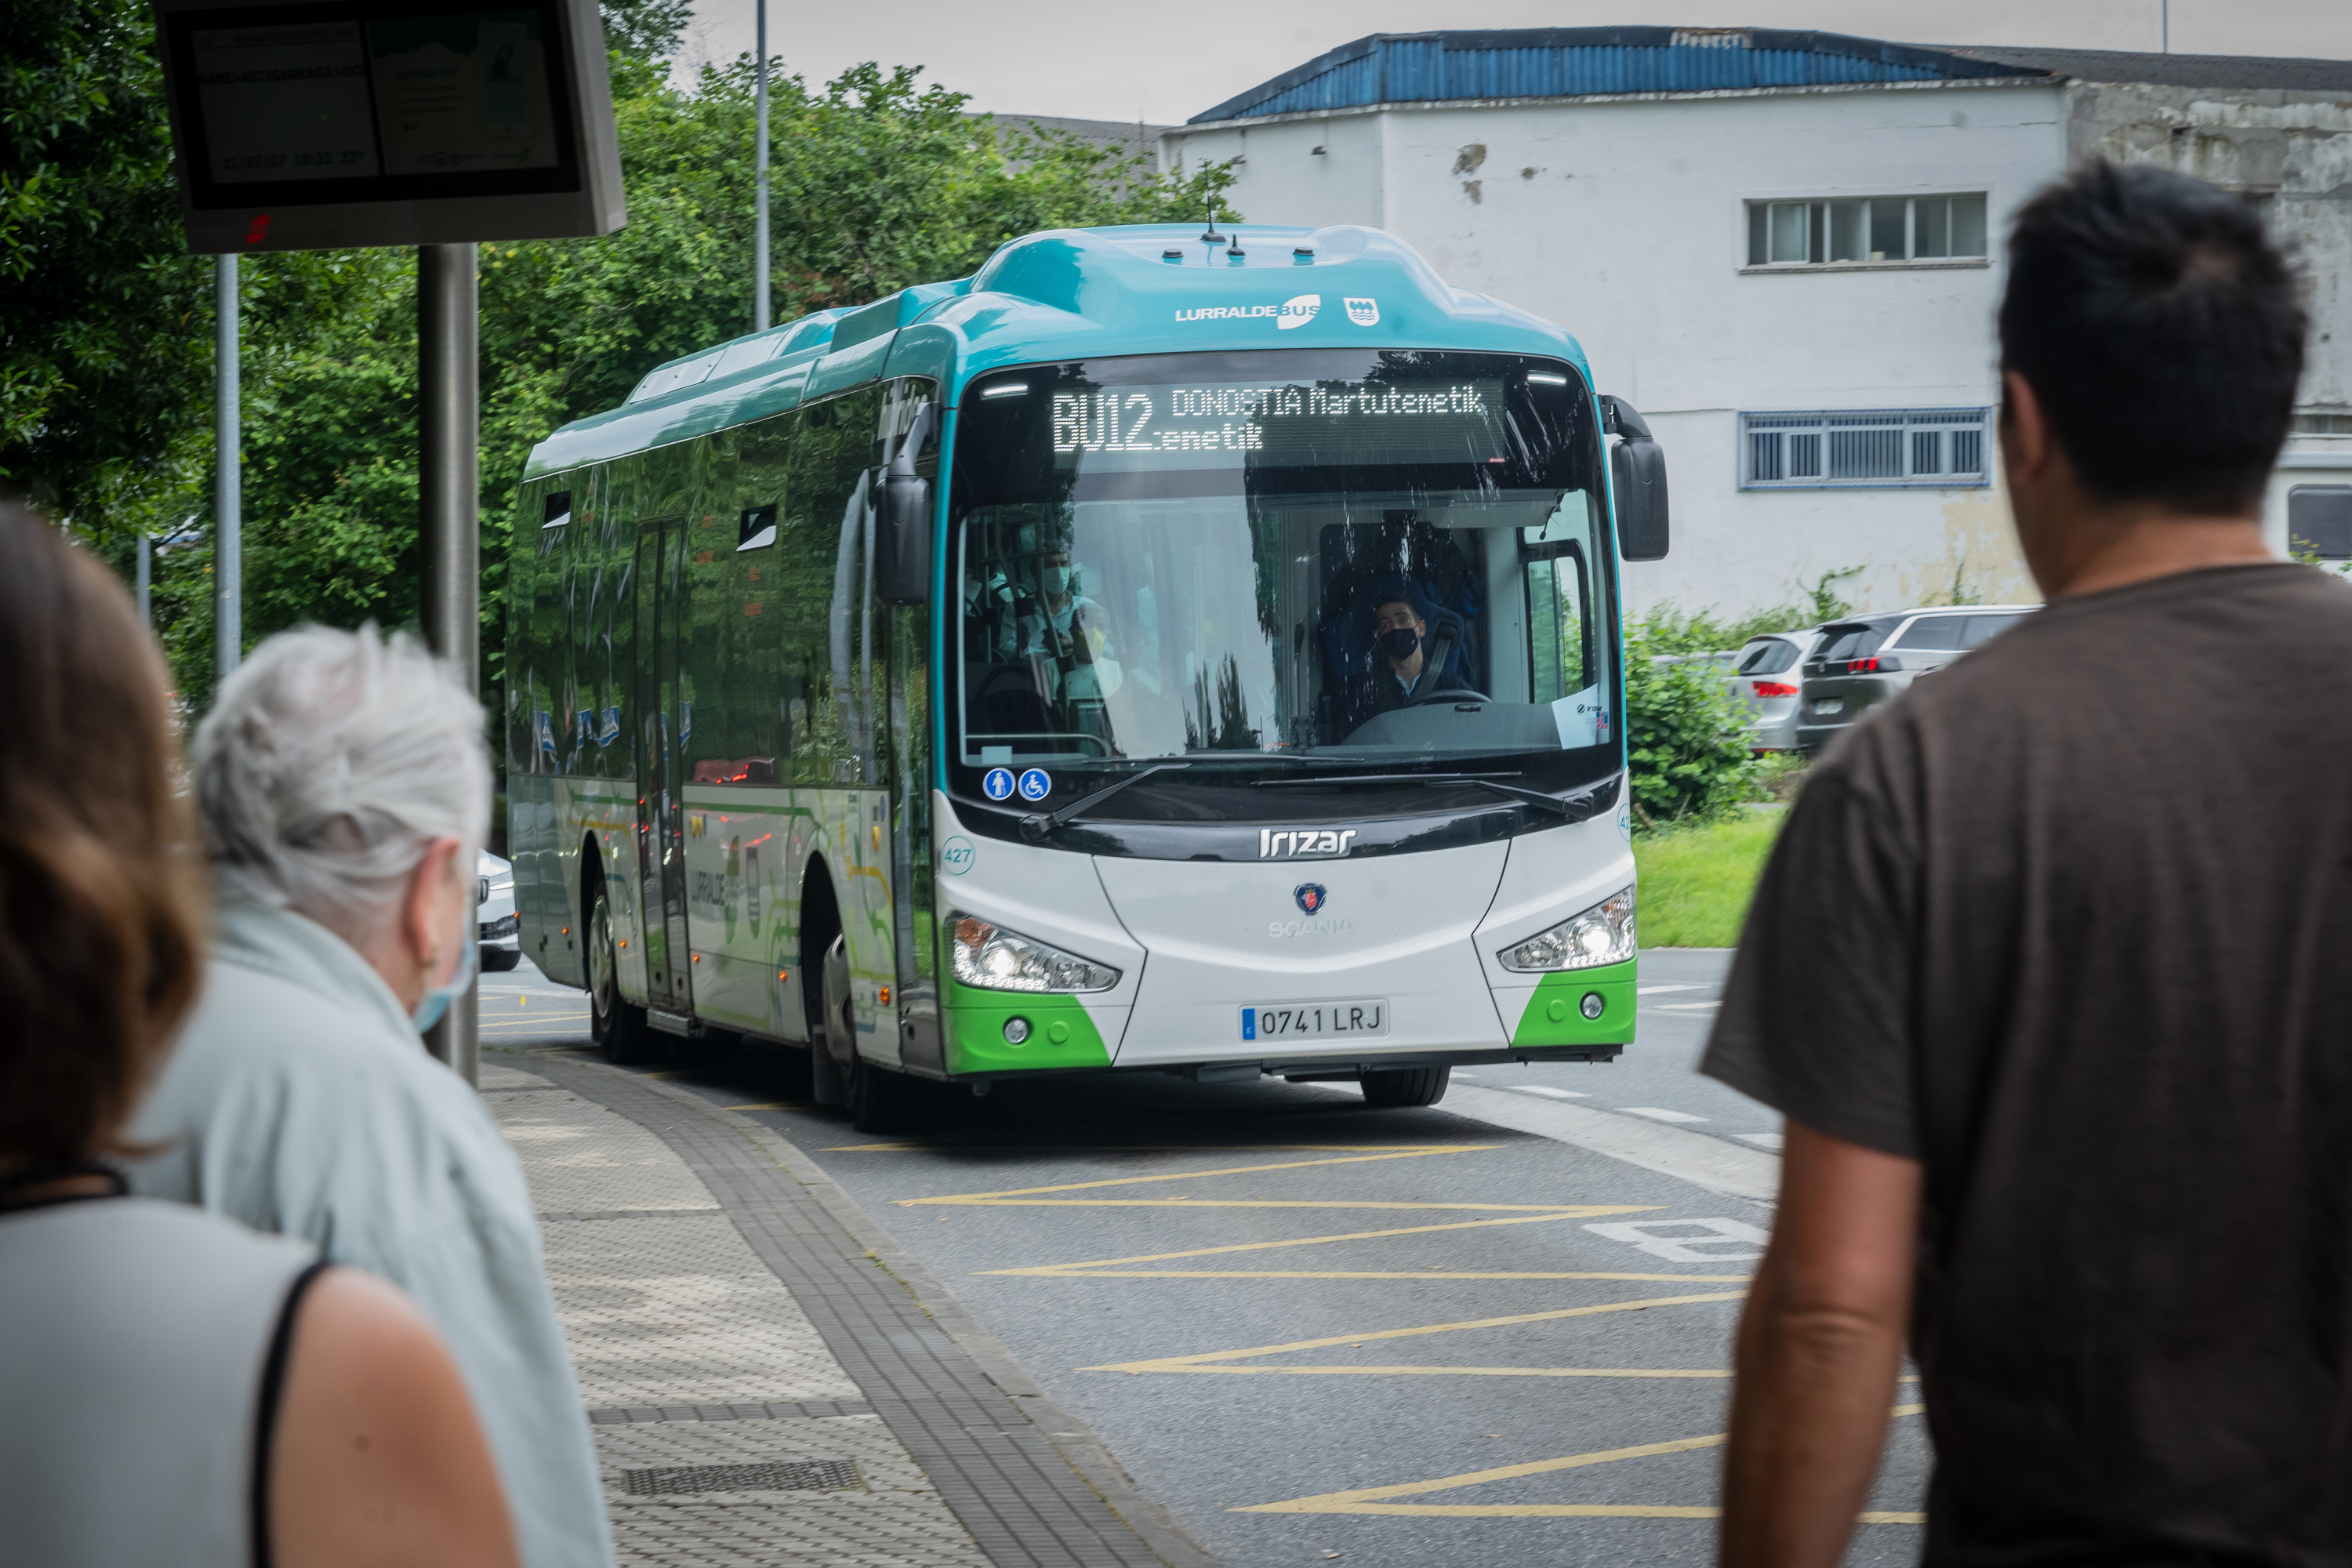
(1859, 231)
(1864, 446)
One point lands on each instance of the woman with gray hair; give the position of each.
(344, 788)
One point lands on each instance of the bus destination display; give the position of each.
(1319, 422)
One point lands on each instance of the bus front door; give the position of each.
(661, 715)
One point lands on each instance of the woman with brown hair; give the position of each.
(178, 1389)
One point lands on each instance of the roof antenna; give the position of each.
(1211, 237)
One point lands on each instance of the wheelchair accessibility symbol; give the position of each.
(1037, 784)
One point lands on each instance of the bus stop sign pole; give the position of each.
(448, 387)
(228, 489)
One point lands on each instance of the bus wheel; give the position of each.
(618, 1029)
(1406, 1086)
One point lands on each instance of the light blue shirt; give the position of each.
(301, 1101)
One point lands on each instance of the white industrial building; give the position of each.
(1785, 249)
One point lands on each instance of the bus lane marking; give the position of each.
(1219, 1361)
(1085, 1271)
(1374, 1500)
(1421, 1152)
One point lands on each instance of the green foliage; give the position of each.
(1685, 737)
(878, 181)
(1828, 604)
(105, 346)
(1698, 880)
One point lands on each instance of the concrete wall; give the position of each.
(1624, 220)
(2295, 148)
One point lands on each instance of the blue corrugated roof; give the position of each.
(1568, 62)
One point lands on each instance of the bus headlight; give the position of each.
(1601, 934)
(989, 956)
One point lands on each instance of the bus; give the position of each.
(1194, 653)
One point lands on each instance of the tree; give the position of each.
(879, 181)
(104, 342)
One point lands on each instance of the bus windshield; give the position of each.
(1283, 559)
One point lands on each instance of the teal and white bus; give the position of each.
(1194, 653)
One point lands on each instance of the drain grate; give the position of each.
(800, 1475)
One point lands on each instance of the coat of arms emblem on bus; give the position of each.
(1364, 312)
(1311, 897)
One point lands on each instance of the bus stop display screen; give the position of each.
(295, 107)
(407, 96)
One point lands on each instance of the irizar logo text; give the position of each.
(1273, 844)
(1295, 311)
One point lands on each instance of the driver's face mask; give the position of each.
(1399, 642)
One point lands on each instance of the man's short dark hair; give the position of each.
(2160, 330)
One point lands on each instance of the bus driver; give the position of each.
(1400, 636)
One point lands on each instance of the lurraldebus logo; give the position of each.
(1295, 311)
(1364, 312)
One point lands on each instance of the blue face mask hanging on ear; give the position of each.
(436, 1001)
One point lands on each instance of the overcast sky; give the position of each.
(1166, 64)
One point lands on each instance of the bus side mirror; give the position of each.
(1637, 473)
(902, 544)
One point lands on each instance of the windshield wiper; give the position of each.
(1575, 808)
(1036, 827)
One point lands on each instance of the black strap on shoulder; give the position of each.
(23, 1188)
(273, 1386)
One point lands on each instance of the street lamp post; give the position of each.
(759, 165)
(228, 492)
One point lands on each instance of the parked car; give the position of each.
(501, 933)
(1764, 678)
(1862, 662)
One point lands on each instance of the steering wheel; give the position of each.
(1456, 694)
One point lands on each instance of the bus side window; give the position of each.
(827, 512)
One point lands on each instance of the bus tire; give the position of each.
(618, 1027)
(1402, 1087)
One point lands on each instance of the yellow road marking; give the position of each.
(1546, 1209)
(1329, 1371)
(1201, 1360)
(1198, 1176)
(1373, 1500)
(1084, 1271)
(962, 1146)
(1067, 1270)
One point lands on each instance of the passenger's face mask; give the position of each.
(437, 1000)
(1399, 642)
(1057, 579)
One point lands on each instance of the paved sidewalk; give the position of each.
(769, 1380)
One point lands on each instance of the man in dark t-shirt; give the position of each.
(2049, 969)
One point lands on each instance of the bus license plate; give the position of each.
(1317, 1020)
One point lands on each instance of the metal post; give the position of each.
(449, 372)
(2167, 27)
(228, 491)
(759, 163)
(146, 577)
